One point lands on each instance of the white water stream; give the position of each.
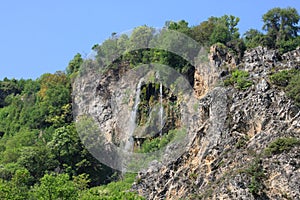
(129, 143)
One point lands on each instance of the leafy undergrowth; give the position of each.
(114, 190)
(281, 144)
(239, 79)
(154, 144)
(289, 80)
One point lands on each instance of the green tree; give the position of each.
(17, 188)
(281, 25)
(231, 23)
(37, 160)
(107, 51)
(202, 32)
(220, 34)
(73, 158)
(66, 145)
(141, 37)
(137, 46)
(254, 38)
(293, 89)
(181, 26)
(225, 30)
(54, 96)
(74, 64)
(10, 87)
(55, 186)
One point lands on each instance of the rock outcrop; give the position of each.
(209, 70)
(231, 130)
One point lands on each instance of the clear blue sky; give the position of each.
(43, 36)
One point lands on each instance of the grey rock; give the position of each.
(228, 131)
(236, 127)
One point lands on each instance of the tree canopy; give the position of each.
(281, 27)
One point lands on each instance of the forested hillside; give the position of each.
(41, 154)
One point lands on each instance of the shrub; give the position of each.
(293, 89)
(242, 142)
(255, 170)
(239, 79)
(283, 77)
(281, 144)
(113, 190)
(290, 80)
(55, 186)
(151, 145)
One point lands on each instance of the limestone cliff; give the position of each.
(229, 131)
(232, 129)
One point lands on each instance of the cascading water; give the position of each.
(161, 110)
(129, 143)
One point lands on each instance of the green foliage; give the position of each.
(216, 30)
(204, 30)
(242, 142)
(220, 34)
(55, 186)
(81, 181)
(255, 170)
(288, 45)
(254, 38)
(141, 37)
(10, 87)
(65, 144)
(282, 28)
(74, 64)
(281, 144)
(37, 160)
(181, 26)
(225, 30)
(7, 171)
(109, 50)
(283, 77)
(113, 190)
(151, 145)
(73, 158)
(17, 188)
(239, 79)
(54, 96)
(15, 143)
(290, 80)
(293, 89)
(237, 46)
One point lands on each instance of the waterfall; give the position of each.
(129, 143)
(161, 110)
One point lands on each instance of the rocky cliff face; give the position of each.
(229, 134)
(231, 131)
